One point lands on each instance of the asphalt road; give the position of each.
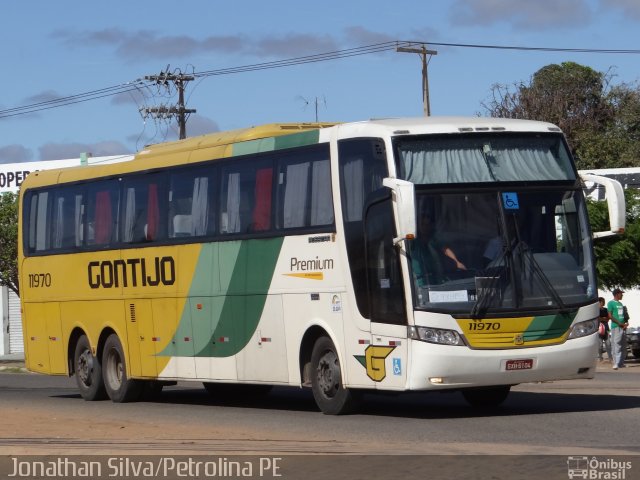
(600, 417)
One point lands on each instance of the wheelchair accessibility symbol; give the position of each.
(397, 366)
(510, 201)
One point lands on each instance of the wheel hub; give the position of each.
(114, 371)
(329, 374)
(85, 367)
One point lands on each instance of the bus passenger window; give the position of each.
(143, 200)
(102, 213)
(103, 219)
(190, 210)
(262, 211)
(68, 218)
(38, 225)
(305, 191)
(245, 205)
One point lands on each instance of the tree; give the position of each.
(9, 241)
(618, 143)
(601, 121)
(617, 257)
(602, 124)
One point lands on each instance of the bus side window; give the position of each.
(261, 219)
(38, 224)
(68, 218)
(245, 204)
(180, 199)
(304, 191)
(191, 213)
(102, 213)
(144, 198)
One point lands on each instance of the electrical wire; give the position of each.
(70, 100)
(307, 59)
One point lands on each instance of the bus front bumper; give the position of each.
(450, 367)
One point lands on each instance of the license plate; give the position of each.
(520, 364)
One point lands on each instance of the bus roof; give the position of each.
(452, 125)
(192, 150)
(273, 136)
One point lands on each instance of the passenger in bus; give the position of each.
(428, 255)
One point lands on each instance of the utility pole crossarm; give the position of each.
(423, 52)
(179, 80)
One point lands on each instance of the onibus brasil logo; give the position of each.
(596, 468)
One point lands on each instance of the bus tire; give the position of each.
(119, 388)
(326, 380)
(88, 371)
(486, 397)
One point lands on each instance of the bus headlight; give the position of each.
(435, 335)
(584, 329)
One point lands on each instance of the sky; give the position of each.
(53, 50)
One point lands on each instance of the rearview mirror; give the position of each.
(403, 195)
(614, 195)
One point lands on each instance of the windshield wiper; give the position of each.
(525, 252)
(489, 292)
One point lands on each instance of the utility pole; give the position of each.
(179, 80)
(423, 52)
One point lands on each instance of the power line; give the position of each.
(534, 49)
(70, 100)
(131, 86)
(321, 57)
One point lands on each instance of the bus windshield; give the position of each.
(490, 157)
(495, 252)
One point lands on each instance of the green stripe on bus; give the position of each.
(310, 137)
(220, 317)
(300, 139)
(548, 326)
(254, 146)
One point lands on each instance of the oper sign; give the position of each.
(13, 174)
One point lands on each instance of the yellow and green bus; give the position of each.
(296, 255)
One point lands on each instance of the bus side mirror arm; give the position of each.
(614, 195)
(403, 195)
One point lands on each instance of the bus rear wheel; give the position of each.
(88, 371)
(119, 388)
(486, 397)
(326, 380)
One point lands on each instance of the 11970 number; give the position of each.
(479, 326)
(37, 280)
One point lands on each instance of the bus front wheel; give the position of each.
(88, 371)
(326, 380)
(486, 397)
(119, 388)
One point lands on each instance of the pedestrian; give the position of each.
(618, 327)
(604, 343)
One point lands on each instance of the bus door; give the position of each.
(386, 364)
